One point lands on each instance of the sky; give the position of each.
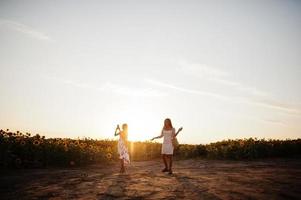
(221, 69)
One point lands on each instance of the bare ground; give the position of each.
(192, 179)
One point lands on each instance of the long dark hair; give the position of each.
(167, 122)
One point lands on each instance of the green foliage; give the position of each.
(253, 149)
(23, 150)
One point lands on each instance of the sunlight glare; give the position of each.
(143, 125)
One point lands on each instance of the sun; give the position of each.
(142, 124)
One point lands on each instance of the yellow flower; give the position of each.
(109, 156)
(36, 142)
(82, 145)
(23, 143)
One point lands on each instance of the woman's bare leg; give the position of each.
(170, 163)
(122, 169)
(165, 163)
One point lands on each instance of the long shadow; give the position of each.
(186, 186)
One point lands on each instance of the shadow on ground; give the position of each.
(192, 179)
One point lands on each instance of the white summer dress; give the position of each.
(123, 151)
(167, 147)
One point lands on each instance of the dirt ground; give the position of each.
(192, 179)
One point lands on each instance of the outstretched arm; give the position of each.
(158, 136)
(179, 130)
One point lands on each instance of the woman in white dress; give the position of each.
(168, 133)
(122, 146)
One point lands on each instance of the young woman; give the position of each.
(168, 133)
(122, 146)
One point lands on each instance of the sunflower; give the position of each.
(22, 143)
(82, 145)
(109, 156)
(36, 142)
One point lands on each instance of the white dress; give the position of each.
(167, 147)
(123, 151)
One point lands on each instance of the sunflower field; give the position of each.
(23, 150)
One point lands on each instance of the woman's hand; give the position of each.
(156, 138)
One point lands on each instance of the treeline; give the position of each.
(23, 150)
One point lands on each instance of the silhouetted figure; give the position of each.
(122, 146)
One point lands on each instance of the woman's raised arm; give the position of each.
(117, 129)
(179, 130)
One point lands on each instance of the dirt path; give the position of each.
(192, 179)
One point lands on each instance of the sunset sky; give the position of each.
(220, 69)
